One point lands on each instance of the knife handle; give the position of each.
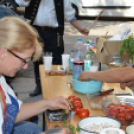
(54, 73)
(106, 92)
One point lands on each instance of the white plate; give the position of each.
(97, 120)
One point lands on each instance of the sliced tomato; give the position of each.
(76, 99)
(84, 113)
(121, 116)
(70, 98)
(78, 104)
(78, 108)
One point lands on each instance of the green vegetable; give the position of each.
(63, 113)
(128, 45)
(71, 127)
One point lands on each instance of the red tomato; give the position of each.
(77, 99)
(121, 116)
(72, 102)
(71, 97)
(84, 113)
(77, 102)
(78, 108)
(112, 112)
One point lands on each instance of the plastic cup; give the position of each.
(47, 62)
(47, 54)
(65, 60)
(93, 68)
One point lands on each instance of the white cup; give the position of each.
(47, 54)
(93, 68)
(65, 60)
(47, 62)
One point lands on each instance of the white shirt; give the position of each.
(46, 15)
(7, 90)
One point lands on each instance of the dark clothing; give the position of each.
(49, 37)
(52, 37)
(31, 10)
(51, 44)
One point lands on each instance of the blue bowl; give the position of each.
(88, 87)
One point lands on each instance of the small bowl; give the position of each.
(119, 109)
(97, 120)
(88, 87)
(129, 129)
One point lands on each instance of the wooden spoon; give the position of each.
(97, 18)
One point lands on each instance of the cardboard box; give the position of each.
(105, 50)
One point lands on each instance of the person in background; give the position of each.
(45, 16)
(124, 76)
(18, 43)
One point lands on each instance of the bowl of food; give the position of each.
(122, 110)
(129, 129)
(95, 124)
(86, 87)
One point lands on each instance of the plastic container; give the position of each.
(78, 65)
(121, 110)
(86, 87)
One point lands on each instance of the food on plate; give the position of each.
(97, 127)
(83, 113)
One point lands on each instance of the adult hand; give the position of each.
(58, 103)
(64, 131)
(84, 76)
(83, 30)
(58, 131)
(126, 84)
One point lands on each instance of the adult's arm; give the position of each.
(69, 15)
(28, 110)
(81, 29)
(119, 75)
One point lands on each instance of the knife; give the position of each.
(60, 73)
(100, 93)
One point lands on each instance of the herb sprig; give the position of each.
(71, 127)
(128, 45)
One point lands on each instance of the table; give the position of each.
(53, 86)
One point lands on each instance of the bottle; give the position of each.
(88, 57)
(71, 60)
(78, 65)
(72, 54)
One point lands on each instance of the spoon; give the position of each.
(97, 18)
